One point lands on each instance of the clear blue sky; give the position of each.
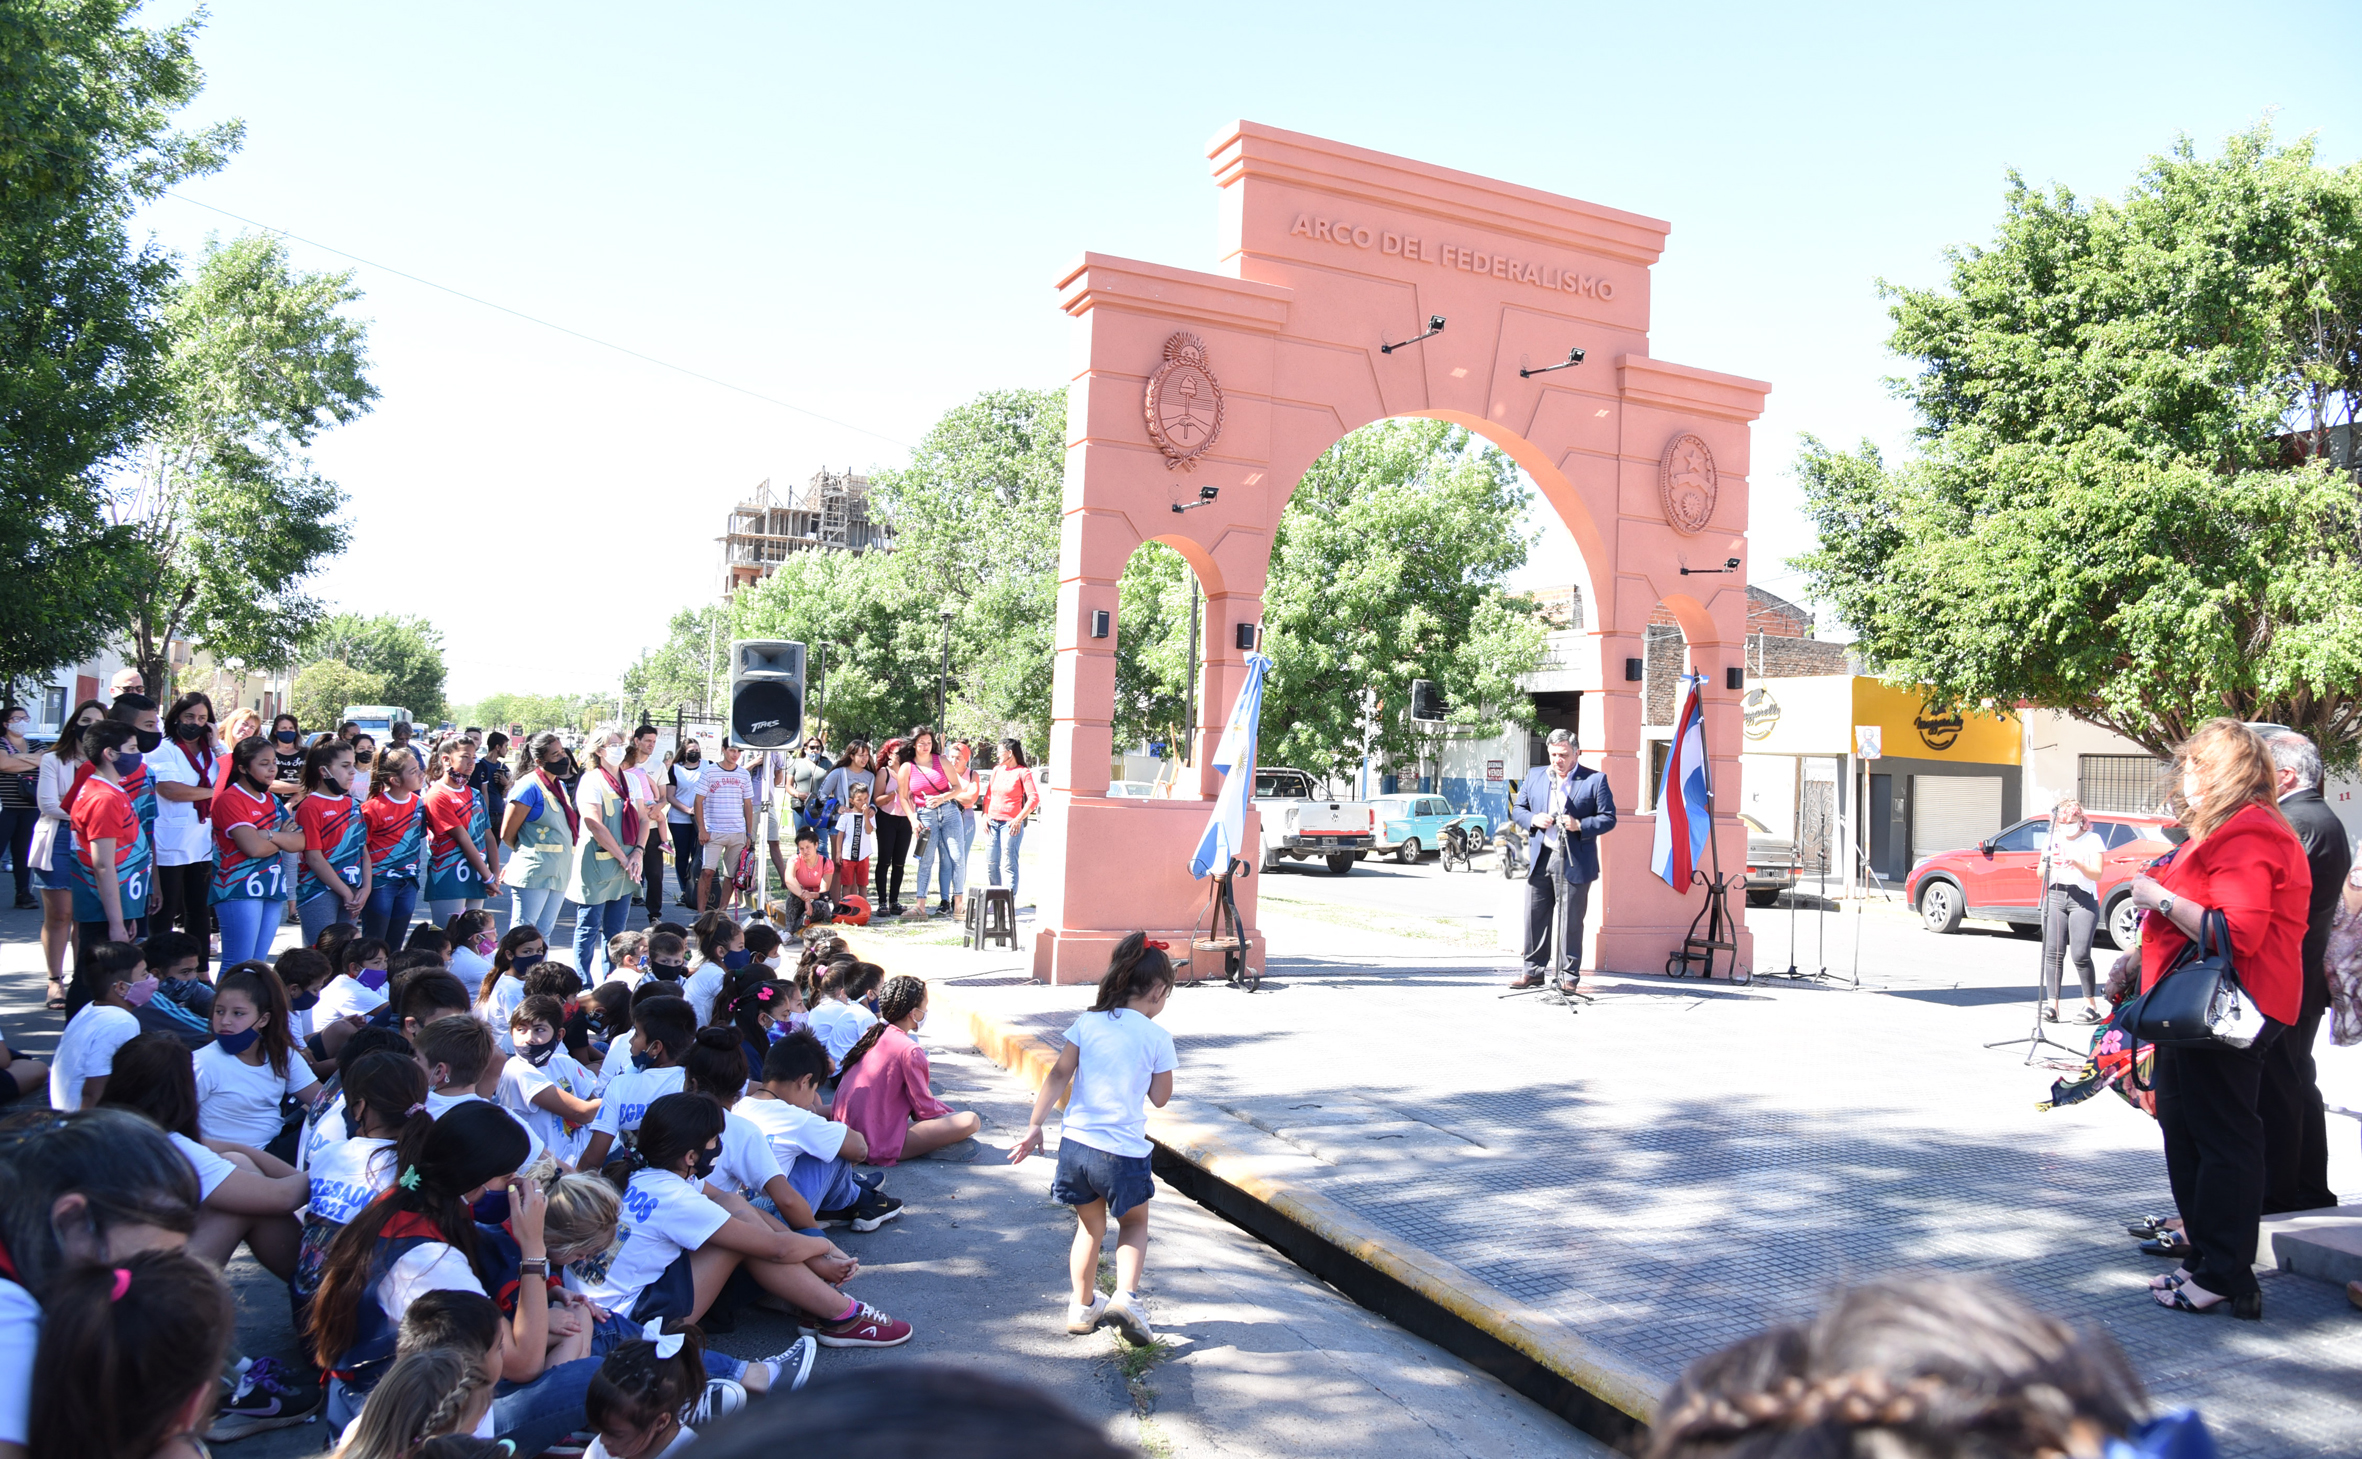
(863, 210)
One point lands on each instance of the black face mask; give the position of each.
(538, 1055)
(148, 740)
(690, 758)
(670, 972)
(557, 769)
(701, 1164)
(186, 731)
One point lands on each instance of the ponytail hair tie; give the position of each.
(409, 1180)
(1159, 946)
(122, 1284)
(667, 1344)
(414, 1109)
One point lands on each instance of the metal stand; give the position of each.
(2037, 1040)
(1550, 993)
(1232, 944)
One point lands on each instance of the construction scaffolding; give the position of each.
(831, 513)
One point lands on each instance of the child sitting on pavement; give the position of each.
(883, 1092)
(541, 1084)
(817, 1153)
(663, 1028)
(1118, 1062)
(838, 1017)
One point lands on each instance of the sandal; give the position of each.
(2249, 1308)
(2050, 1015)
(2149, 1226)
(2159, 1246)
(57, 998)
(2174, 1278)
(2091, 1015)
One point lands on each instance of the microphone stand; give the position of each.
(2037, 1040)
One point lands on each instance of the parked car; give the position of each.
(1132, 789)
(1409, 826)
(1998, 879)
(1300, 825)
(1771, 863)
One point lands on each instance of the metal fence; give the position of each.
(2119, 782)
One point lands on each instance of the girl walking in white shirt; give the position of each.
(1118, 1062)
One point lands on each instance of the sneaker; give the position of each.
(793, 1367)
(869, 1180)
(1081, 1319)
(866, 1328)
(268, 1397)
(1124, 1310)
(722, 1398)
(873, 1211)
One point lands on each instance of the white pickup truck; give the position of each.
(1301, 826)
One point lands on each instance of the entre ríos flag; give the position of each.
(1683, 820)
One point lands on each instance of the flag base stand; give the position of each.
(1224, 932)
(1721, 931)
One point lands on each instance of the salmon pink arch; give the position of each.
(1239, 380)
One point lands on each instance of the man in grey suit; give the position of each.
(2296, 1134)
(1563, 808)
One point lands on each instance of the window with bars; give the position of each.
(2118, 782)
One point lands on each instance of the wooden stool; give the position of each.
(992, 918)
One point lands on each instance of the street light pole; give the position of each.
(819, 675)
(943, 682)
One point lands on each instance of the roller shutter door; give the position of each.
(1952, 811)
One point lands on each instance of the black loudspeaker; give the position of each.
(1426, 700)
(1734, 678)
(766, 693)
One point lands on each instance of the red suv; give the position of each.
(1996, 879)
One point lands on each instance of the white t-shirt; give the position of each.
(682, 1439)
(1121, 1052)
(344, 997)
(439, 1105)
(521, 1083)
(726, 794)
(323, 1128)
(747, 1162)
(20, 1335)
(791, 1129)
(212, 1168)
(853, 826)
(839, 1026)
(506, 995)
(181, 839)
(349, 1175)
(663, 1216)
(430, 1266)
(702, 987)
(86, 1050)
(630, 1093)
(683, 795)
(240, 1101)
(2089, 846)
(469, 966)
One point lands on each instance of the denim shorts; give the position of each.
(1087, 1173)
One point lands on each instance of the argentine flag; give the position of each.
(1226, 829)
(1683, 820)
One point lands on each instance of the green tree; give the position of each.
(537, 712)
(86, 139)
(322, 691)
(228, 518)
(407, 653)
(1389, 566)
(975, 519)
(1152, 648)
(679, 672)
(2111, 514)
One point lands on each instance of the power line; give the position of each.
(544, 323)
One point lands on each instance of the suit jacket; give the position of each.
(2330, 856)
(1586, 798)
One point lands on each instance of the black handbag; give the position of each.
(2199, 1001)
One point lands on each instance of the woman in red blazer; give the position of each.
(2244, 861)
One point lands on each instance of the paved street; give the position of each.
(1675, 1165)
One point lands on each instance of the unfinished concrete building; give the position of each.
(830, 513)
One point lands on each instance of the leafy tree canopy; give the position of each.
(86, 138)
(405, 653)
(2113, 513)
(322, 692)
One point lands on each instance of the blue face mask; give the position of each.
(524, 962)
(127, 763)
(237, 1043)
(642, 1061)
(304, 1001)
(737, 959)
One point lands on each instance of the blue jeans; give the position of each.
(593, 925)
(442, 910)
(825, 1185)
(1012, 834)
(386, 914)
(248, 928)
(319, 914)
(944, 825)
(609, 1332)
(541, 906)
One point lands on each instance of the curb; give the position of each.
(1530, 1351)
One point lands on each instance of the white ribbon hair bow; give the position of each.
(668, 1344)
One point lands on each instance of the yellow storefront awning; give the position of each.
(1817, 714)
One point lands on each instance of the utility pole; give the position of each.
(943, 682)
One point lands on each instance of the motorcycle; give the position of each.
(1454, 851)
(1511, 862)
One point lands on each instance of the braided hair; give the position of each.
(422, 1396)
(1134, 970)
(1932, 1368)
(903, 997)
(634, 1388)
